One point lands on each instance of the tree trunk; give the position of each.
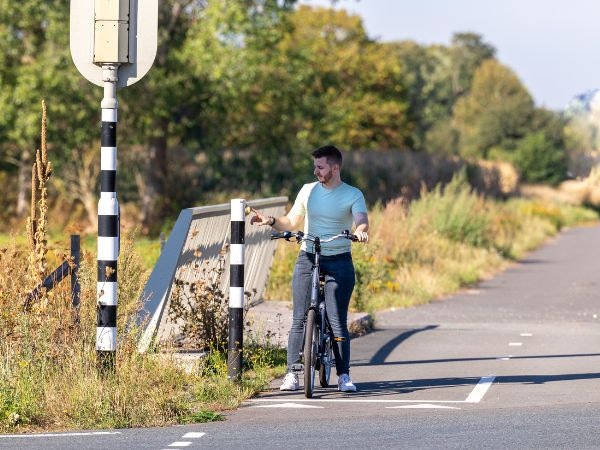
(152, 183)
(24, 184)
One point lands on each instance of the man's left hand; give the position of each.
(362, 236)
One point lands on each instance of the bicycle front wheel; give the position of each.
(311, 336)
(326, 363)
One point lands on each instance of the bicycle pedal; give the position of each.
(297, 368)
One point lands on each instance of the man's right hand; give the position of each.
(259, 219)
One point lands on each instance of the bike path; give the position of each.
(526, 338)
(512, 363)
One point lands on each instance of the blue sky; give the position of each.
(552, 45)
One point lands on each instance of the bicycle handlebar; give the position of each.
(299, 236)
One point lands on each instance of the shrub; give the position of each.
(539, 160)
(453, 211)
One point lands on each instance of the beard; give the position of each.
(326, 178)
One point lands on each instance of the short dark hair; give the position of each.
(333, 155)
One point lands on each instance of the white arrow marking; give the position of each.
(423, 406)
(287, 405)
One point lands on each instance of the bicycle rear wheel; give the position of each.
(311, 336)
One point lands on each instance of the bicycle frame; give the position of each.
(320, 346)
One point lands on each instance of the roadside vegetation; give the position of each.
(448, 239)
(48, 373)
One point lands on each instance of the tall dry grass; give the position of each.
(449, 238)
(49, 377)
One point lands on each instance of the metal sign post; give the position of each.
(113, 44)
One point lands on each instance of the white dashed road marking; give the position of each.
(192, 435)
(515, 344)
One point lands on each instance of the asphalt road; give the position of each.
(512, 363)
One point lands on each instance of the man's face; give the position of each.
(323, 171)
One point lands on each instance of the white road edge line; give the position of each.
(479, 391)
(92, 433)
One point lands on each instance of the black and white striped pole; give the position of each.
(108, 225)
(236, 290)
(113, 44)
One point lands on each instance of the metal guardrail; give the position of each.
(193, 249)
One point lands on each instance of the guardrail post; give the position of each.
(236, 290)
(76, 260)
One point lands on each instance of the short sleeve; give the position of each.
(299, 207)
(359, 205)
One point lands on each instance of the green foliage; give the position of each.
(495, 113)
(243, 90)
(539, 161)
(454, 211)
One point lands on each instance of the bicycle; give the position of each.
(319, 342)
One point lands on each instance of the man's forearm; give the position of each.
(283, 223)
(362, 227)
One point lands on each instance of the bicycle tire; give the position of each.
(311, 334)
(325, 367)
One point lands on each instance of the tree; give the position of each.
(435, 77)
(353, 92)
(467, 51)
(35, 63)
(496, 112)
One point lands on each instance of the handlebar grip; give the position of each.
(352, 237)
(281, 235)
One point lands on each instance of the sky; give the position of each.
(553, 46)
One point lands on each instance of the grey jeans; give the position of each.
(339, 284)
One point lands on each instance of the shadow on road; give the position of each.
(388, 348)
(542, 379)
(481, 358)
(379, 388)
(394, 387)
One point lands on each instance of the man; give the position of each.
(327, 206)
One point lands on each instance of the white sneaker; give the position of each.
(345, 383)
(290, 382)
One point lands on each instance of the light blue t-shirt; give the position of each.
(328, 212)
